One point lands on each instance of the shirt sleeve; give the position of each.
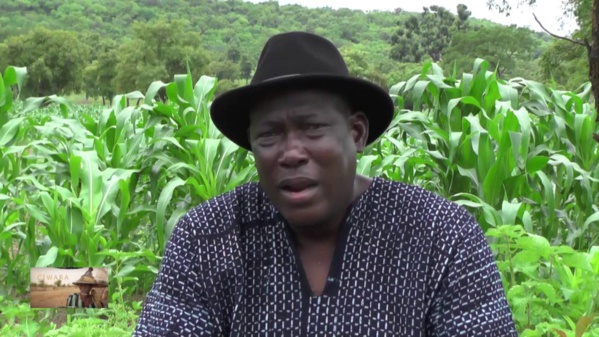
(176, 304)
(471, 300)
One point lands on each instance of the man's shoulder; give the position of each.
(420, 207)
(219, 214)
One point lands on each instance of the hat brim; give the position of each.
(230, 111)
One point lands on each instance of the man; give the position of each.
(88, 297)
(314, 249)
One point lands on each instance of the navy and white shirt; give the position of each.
(408, 263)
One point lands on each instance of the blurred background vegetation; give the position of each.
(97, 49)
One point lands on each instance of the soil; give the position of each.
(51, 297)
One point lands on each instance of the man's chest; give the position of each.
(374, 286)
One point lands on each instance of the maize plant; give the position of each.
(88, 185)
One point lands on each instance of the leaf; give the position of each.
(15, 75)
(438, 81)
(509, 211)
(418, 93)
(152, 91)
(507, 92)
(548, 290)
(592, 218)
(583, 323)
(48, 258)
(110, 189)
(536, 164)
(535, 243)
(91, 181)
(203, 90)
(365, 163)
(163, 201)
(577, 260)
(172, 222)
(127, 269)
(560, 332)
(9, 130)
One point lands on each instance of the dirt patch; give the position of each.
(51, 297)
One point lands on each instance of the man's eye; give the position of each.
(315, 126)
(266, 134)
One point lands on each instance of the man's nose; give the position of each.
(293, 152)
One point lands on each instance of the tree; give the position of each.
(100, 74)
(428, 34)
(500, 46)
(359, 65)
(587, 17)
(57, 283)
(158, 51)
(463, 15)
(225, 70)
(565, 63)
(55, 60)
(406, 42)
(246, 68)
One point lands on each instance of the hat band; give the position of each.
(279, 77)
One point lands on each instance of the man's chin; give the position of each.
(302, 217)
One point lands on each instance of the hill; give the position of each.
(225, 28)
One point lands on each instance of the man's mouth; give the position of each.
(297, 184)
(298, 190)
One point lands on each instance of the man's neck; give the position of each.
(327, 234)
(306, 238)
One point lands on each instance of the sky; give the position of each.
(549, 12)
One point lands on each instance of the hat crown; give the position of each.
(85, 279)
(298, 53)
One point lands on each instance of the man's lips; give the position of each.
(296, 184)
(298, 190)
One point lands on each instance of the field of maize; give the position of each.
(104, 186)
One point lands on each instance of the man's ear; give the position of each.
(359, 129)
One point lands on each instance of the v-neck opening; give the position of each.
(332, 282)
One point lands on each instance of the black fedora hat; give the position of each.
(300, 60)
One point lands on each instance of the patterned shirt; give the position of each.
(408, 263)
(75, 301)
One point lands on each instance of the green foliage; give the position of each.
(565, 63)
(500, 46)
(428, 34)
(232, 35)
(85, 185)
(55, 60)
(359, 66)
(100, 74)
(158, 50)
(550, 288)
(521, 157)
(514, 147)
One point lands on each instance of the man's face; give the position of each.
(305, 145)
(85, 288)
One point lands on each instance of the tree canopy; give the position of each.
(55, 59)
(500, 46)
(428, 34)
(126, 44)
